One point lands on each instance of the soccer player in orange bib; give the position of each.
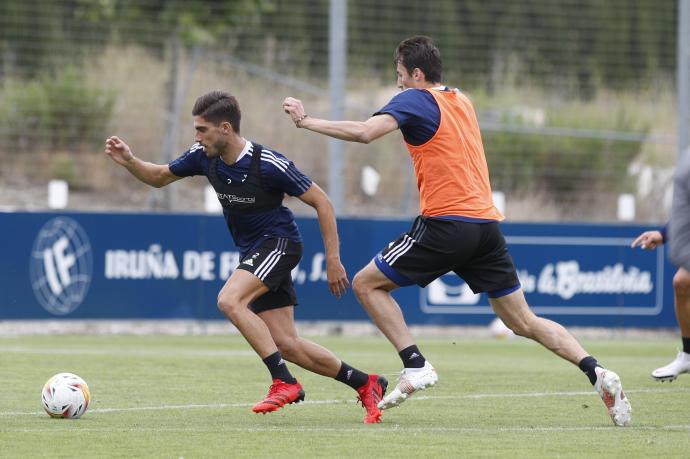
(458, 226)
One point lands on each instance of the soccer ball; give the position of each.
(65, 395)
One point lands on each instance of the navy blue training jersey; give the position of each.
(277, 174)
(417, 114)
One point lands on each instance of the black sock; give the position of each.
(686, 344)
(411, 357)
(351, 376)
(278, 368)
(587, 365)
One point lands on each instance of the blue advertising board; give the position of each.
(163, 266)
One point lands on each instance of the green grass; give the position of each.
(163, 396)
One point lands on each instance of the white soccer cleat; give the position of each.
(410, 381)
(680, 365)
(610, 389)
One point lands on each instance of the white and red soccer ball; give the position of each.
(65, 395)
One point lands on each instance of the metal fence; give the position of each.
(576, 99)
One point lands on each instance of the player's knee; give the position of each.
(522, 326)
(288, 348)
(681, 283)
(360, 285)
(521, 329)
(229, 305)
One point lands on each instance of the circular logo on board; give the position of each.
(61, 266)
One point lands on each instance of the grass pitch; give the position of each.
(171, 397)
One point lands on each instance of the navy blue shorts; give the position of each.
(272, 262)
(476, 252)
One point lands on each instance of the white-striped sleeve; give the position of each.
(283, 174)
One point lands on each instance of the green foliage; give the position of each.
(30, 34)
(62, 111)
(65, 168)
(561, 165)
(574, 46)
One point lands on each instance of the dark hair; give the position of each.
(218, 106)
(420, 52)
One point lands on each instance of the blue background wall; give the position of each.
(122, 266)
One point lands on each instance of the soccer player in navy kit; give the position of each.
(259, 297)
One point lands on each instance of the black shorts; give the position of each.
(272, 262)
(476, 252)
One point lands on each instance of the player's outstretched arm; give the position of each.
(352, 131)
(335, 271)
(649, 240)
(156, 175)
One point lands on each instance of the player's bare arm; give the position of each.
(335, 271)
(155, 175)
(649, 240)
(353, 131)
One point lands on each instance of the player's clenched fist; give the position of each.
(295, 109)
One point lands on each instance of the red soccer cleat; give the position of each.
(280, 394)
(370, 395)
